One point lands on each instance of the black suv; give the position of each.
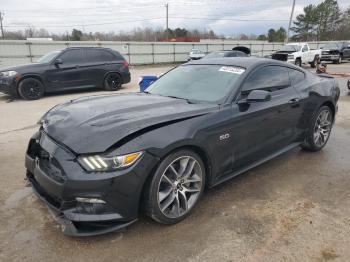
(71, 68)
(336, 52)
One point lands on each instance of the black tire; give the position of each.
(311, 141)
(31, 89)
(157, 185)
(340, 59)
(298, 62)
(349, 84)
(314, 62)
(112, 82)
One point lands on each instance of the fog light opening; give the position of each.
(90, 200)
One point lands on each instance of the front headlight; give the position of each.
(100, 163)
(290, 56)
(8, 73)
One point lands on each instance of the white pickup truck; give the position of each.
(298, 54)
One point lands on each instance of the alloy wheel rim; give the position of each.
(322, 127)
(180, 186)
(32, 89)
(113, 81)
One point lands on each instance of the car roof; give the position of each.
(88, 47)
(245, 62)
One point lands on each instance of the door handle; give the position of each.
(294, 102)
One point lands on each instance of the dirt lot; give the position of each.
(293, 208)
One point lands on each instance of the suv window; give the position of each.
(305, 48)
(296, 76)
(269, 78)
(99, 55)
(74, 56)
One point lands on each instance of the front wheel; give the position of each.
(298, 62)
(175, 187)
(319, 130)
(112, 82)
(31, 89)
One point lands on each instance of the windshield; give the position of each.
(198, 83)
(331, 46)
(48, 57)
(290, 48)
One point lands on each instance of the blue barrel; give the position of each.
(146, 81)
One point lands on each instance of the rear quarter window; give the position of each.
(296, 76)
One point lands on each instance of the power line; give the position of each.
(94, 24)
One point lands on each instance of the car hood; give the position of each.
(94, 124)
(23, 68)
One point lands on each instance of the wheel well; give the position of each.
(330, 105)
(202, 154)
(30, 76)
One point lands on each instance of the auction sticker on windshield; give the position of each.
(232, 69)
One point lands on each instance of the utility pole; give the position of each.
(290, 21)
(167, 20)
(2, 29)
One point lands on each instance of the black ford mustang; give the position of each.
(98, 161)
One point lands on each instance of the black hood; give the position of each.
(94, 124)
(22, 69)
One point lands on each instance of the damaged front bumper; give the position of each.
(60, 182)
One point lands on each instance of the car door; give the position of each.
(69, 73)
(305, 54)
(263, 128)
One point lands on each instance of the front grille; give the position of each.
(47, 163)
(281, 57)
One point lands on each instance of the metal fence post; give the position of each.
(207, 48)
(129, 55)
(152, 45)
(30, 51)
(174, 53)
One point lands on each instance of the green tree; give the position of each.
(271, 35)
(262, 37)
(76, 35)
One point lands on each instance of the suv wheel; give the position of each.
(112, 82)
(175, 187)
(31, 89)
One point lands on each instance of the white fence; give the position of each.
(23, 52)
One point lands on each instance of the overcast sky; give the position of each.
(228, 17)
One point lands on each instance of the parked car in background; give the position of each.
(349, 84)
(97, 161)
(195, 54)
(71, 68)
(298, 54)
(336, 52)
(225, 53)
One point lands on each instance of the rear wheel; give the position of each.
(319, 130)
(112, 82)
(31, 89)
(176, 187)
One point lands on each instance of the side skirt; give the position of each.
(256, 163)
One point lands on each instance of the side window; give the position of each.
(74, 56)
(296, 76)
(107, 56)
(93, 55)
(269, 78)
(305, 48)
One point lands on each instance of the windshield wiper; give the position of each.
(187, 100)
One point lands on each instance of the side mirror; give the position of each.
(256, 96)
(58, 62)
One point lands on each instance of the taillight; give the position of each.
(125, 64)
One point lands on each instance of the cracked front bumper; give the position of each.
(58, 180)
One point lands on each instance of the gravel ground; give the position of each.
(293, 208)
